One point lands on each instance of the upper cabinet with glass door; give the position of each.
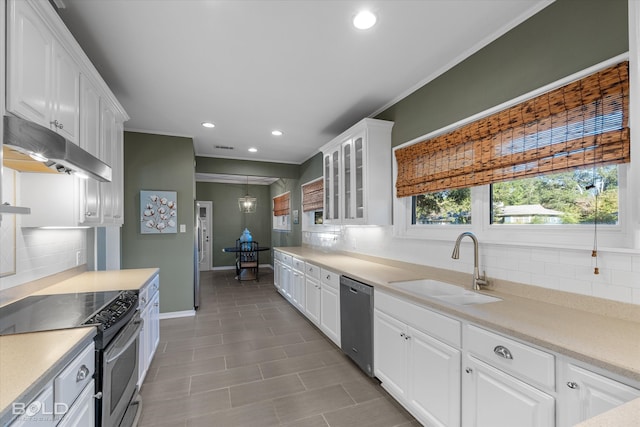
(357, 173)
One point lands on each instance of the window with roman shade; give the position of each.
(312, 196)
(281, 204)
(583, 123)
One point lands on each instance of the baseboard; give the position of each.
(232, 267)
(176, 314)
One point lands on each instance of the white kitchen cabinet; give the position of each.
(90, 209)
(277, 268)
(357, 174)
(312, 293)
(298, 290)
(506, 382)
(56, 203)
(108, 141)
(42, 78)
(149, 306)
(312, 299)
(330, 305)
(390, 354)
(422, 372)
(82, 413)
(493, 398)
(50, 81)
(583, 394)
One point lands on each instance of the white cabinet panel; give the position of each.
(82, 414)
(357, 175)
(585, 394)
(65, 108)
(493, 398)
(90, 210)
(390, 353)
(312, 299)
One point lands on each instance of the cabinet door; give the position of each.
(144, 348)
(353, 180)
(332, 185)
(90, 212)
(29, 45)
(312, 300)
(107, 142)
(82, 412)
(66, 94)
(492, 398)
(277, 266)
(154, 326)
(434, 383)
(285, 278)
(330, 312)
(298, 290)
(117, 182)
(587, 394)
(390, 353)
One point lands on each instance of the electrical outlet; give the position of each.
(78, 257)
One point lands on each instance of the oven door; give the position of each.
(120, 372)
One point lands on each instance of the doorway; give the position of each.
(205, 212)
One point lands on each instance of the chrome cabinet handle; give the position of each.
(573, 385)
(503, 352)
(468, 370)
(82, 373)
(56, 124)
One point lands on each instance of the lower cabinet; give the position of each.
(584, 394)
(493, 398)
(312, 300)
(82, 413)
(420, 371)
(149, 301)
(330, 305)
(298, 290)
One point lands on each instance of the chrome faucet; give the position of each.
(477, 279)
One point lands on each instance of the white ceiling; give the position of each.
(251, 66)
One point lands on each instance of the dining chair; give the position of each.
(247, 258)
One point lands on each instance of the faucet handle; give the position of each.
(481, 280)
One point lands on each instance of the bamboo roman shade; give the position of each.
(281, 205)
(312, 196)
(580, 124)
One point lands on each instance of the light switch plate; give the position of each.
(183, 228)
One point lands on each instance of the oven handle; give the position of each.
(134, 336)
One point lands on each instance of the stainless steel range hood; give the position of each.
(57, 152)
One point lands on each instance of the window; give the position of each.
(576, 197)
(547, 164)
(448, 207)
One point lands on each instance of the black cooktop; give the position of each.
(48, 312)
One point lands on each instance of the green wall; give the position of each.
(565, 37)
(228, 223)
(156, 162)
(246, 167)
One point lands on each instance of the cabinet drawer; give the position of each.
(330, 278)
(298, 264)
(277, 255)
(74, 378)
(148, 292)
(312, 271)
(525, 362)
(286, 259)
(435, 324)
(39, 412)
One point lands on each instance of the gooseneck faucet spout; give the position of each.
(477, 279)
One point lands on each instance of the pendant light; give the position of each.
(247, 204)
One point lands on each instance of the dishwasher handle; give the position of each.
(356, 287)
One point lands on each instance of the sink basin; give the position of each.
(429, 288)
(443, 291)
(468, 298)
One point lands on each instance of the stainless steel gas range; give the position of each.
(118, 322)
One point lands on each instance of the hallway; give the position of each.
(248, 358)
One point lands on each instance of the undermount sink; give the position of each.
(443, 291)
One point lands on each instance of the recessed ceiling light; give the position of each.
(364, 20)
(208, 124)
(276, 132)
(253, 150)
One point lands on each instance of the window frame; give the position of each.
(562, 236)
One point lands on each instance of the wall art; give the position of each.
(158, 212)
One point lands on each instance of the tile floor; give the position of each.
(248, 358)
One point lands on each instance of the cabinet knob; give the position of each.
(402, 334)
(468, 370)
(88, 214)
(503, 352)
(82, 373)
(98, 395)
(573, 385)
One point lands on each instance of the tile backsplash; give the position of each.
(566, 270)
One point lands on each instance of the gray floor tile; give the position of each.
(263, 390)
(248, 358)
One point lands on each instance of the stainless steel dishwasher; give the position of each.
(356, 322)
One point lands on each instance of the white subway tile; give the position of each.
(617, 293)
